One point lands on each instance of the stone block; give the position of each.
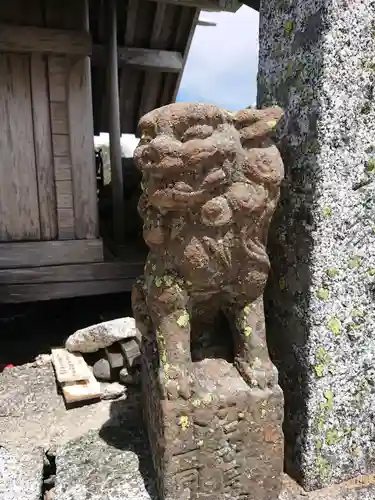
(220, 445)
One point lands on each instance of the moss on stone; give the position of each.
(323, 294)
(354, 262)
(332, 272)
(327, 211)
(288, 27)
(371, 271)
(370, 165)
(334, 326)
(184, 422)
(183, 320)
(322, 466)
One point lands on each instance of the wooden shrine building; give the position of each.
(70, 69)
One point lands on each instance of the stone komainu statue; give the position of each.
(211, 183)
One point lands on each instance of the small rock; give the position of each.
(115, 356)
(131, 351)
(112, 391)
(129, 379)
(42, 359)
(102, 335)
(102, 370)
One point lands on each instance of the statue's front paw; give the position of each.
(258, 374)
(176, 381)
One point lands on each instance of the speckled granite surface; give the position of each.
(21, 474)
(317, 61)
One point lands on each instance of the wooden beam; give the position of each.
(96, 271)
(115, 129)
(163, 61)
(208, 5)
(28, 39)
(15, 294)
(186, 53)
(82, 149)
(49, 253)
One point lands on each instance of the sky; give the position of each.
(222, 64)
(221, 67)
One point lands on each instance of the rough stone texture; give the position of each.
(317, 63)
(33, 414)
(21, 474)
(96, 337)
(113, 464)
(210, 186)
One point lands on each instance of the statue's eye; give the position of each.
(197, 132)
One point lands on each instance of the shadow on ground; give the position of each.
(124, 431)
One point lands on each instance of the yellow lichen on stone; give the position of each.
(184, 422)
(168, 280)
(248, 331)
(183, 320)
(334, 325)
(272, 123)
(282, 283)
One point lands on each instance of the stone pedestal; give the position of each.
(317, 63)
(224, 444)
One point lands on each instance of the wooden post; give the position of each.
(114, 129)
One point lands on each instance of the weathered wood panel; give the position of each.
(30, 39)
(43, 148)
(59, 118)
(49, 253)
(57, 72)
(82, 151)
(96, 271)
(18, 178)
(145, 59)
(61, 146)
(63, 169)
(65, 218)
(49, 291)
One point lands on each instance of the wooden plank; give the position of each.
(59, 118)
(65, 221)
(115, 129)
(19, 208)
(30, 39)
(96, 271)
(10, 294)
(57, 72)
(49, 253)
(43, 148)
(163, 61)
(130, 76)
(69, 366)
(63, 168)
(83, 391)
(64, 194)
(61, 145)
(82, 152)
(186, 53)
(209, 5)
(152, 83)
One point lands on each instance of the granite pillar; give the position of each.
(317, 63)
